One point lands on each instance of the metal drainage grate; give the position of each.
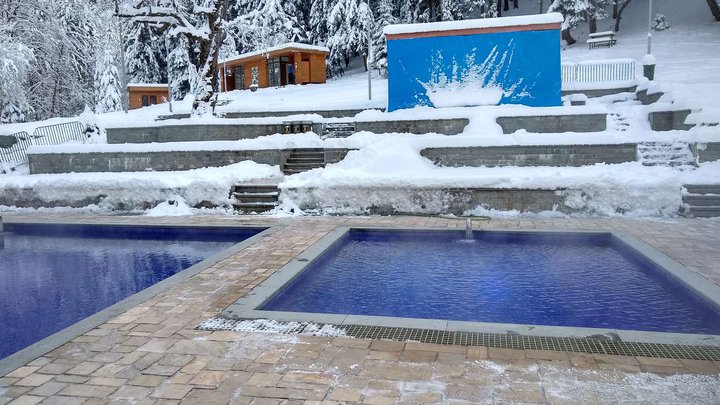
(497, 340)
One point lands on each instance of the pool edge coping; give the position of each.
(245, 307)
(67, 334)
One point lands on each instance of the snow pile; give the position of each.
(175, 207)
(271, 326)
(136, 190)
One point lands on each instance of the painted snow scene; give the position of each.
(359, 201)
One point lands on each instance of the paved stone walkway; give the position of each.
(152, 354)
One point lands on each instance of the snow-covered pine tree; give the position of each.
(202, 23)
(108, 97)
(108, 86)
(597, 10)
(142, 63)
(385, 15)
(318, 22)
(178, 64)
(337, 38)
(15, 63)
(573, 11)
(362, 24)
(262, 24)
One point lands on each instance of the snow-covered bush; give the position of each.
(660, 23)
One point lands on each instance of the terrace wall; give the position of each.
(531, 155)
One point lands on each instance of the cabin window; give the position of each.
(274, 72)
(240, 78)
(145, 101)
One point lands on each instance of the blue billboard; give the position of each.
(518, 67)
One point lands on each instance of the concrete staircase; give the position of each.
(703, 200)
(301, 160)
(666, 154)
(255, 198)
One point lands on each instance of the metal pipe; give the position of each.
(649, 45)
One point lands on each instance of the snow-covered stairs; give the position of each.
(675, 154)
(255, 198)
(618, 122)
(301, 160)
(703, 200)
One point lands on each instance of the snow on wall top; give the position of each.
(548, 18)
(289, 45)
(148, 85)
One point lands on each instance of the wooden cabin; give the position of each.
(145, 94)
(290, 63)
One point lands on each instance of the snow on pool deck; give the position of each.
(153, 350)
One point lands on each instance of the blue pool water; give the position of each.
(52, 276)
(576, 280)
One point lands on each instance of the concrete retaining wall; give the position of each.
(601, 92)
(187, 133)
(386, 201)
(708, 152)
(263, 114)
(669, 120)
(647, 99)
(554, 123)
(335, 155)
(446, 126)
(136, 162)
(531, 155)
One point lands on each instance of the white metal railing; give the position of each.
(46, 135)
(609, 70)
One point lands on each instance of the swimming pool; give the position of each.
(557, 279)
(53, 275)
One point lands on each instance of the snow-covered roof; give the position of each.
(148, 85)
(288, 46)
(535, 19)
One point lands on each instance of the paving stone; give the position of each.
(22, 372)
(209, 379)
(171, 391)
(86, 390)
(85, 368)
(48, 389)
(34, 380)
(284, 393)
(27, 400)
(131, 393)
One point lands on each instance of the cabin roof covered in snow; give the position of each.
(290, 46)
(446, 27)
(148, 85)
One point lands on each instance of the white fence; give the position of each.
(46, 135)
(610, 70)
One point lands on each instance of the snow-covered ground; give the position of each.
(687, 68)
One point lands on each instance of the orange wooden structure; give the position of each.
(145, 94)
(290, 63)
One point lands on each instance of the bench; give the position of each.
(601, 38)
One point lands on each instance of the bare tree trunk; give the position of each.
(209, 49)
(615, 10)
(567, 37)
(499, 8)
(506, 6)
(541, 7)
(515, 4)
(714, 9)
(592, 25)
(619, 14)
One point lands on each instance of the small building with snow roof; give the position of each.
(290, 63)
(145, 94)
(509, 60)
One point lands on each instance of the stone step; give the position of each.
(702, 188)
(249, 208)
(306, 159)
(705, 212)
(256, 197)
(255, 188)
